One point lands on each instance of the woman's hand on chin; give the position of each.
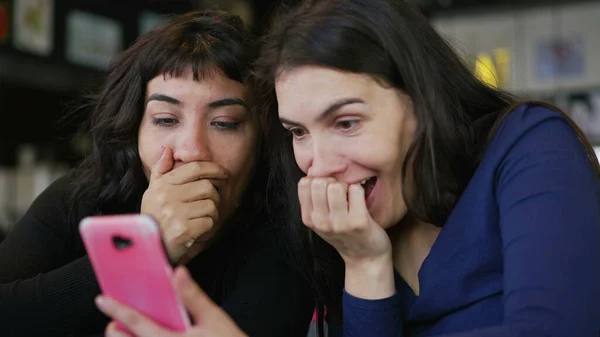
(338, 213)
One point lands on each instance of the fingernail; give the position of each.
(102, 302)
(356, 187)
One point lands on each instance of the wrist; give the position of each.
(368, 263)
(371, 278)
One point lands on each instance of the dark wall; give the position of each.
(37, 93)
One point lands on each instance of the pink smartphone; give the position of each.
(130, 263)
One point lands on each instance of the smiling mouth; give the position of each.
(368, 185)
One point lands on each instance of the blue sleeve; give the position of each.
(376, 318)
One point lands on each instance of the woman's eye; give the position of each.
(164, 121)
(227, 125)
(297, 132)
(346, 124)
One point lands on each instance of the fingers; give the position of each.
(320, 204)
(205, 208)
(194, 299)
(305, 200)
(314, 204)
(200, 226)
(195, 171)
(198, 190)
(328, 205)
(200, 217)
(337, 199)
(163, 165)
(357, 204)
(137, 323)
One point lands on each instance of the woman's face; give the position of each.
(349, 127)
(209, 120)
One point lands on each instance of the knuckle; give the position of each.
(215, 215)
(206, 186)
(319, 220)
(307, 220)
(168, 212)
(356, 224)
(210, 223)
(162, 197)
(335, 187)
(209, 205)
(197, 166)
(209, 209)
(177, 229)
(199, 226)
(326, 230)
(215, 196)
(304, 182)
(336, 220)
(319, 183)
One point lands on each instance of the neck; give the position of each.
(412, 240)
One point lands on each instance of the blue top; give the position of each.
(520, 252)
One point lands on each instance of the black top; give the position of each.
(47, 285)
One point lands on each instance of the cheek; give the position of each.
(238, 157)
(148, 157)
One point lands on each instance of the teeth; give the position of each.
(364, 182)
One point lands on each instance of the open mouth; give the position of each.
(369, 185)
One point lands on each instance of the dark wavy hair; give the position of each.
(111, 174)
(395, 44)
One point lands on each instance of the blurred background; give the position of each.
(53, 52)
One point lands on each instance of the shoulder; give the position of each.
(47, 214)
(54, 197)
(54, 206)
(526, 117)
(534, 129)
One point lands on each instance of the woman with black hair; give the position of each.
(175, 136)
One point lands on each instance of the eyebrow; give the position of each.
(215, 104)
(164, 98)
(229, 101)
(335, 106)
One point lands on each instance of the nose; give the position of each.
(193, 145)
(326, 160)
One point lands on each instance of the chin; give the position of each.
(389, 221)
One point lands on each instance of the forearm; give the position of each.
(51, 304)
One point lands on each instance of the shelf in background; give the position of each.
(46, 74)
